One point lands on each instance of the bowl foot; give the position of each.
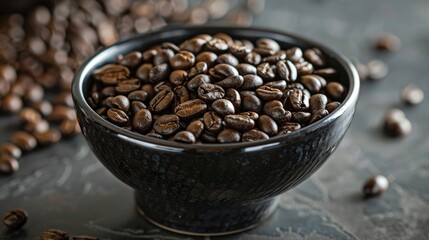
(203, 220)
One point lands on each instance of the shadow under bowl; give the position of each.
(211, 189)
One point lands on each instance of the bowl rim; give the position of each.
(84, 70)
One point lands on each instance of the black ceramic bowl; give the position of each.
(211, 189)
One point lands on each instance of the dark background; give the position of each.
(65, 186)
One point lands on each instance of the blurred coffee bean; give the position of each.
(24, 141)
(29, 115)
(377, 69)
(182, 60)
(294, 54)
(111, 73)
(69, 128)
(54, 234)
(60, 113)
(375, 186)
(315, 56)
(15, 219)
(412, 95)
(131, 60)
(10, 150)
(8, 164)
(39, 125)
(396, 124)
(11, 104)
(47, 137)
(388, 42)
(332, 106)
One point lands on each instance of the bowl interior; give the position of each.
(81, 86)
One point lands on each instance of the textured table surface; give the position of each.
(65, 186)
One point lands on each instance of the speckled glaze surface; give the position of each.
(211, 188)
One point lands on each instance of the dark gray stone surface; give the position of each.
(65, 186)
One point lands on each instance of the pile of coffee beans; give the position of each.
(41, 50)
(216, 89)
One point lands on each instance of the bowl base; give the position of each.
(203, 220)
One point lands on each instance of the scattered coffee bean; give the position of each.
(396, 124)
(15, 219)
(10, 150)
(388, 42)
(54, 234)
(48, 137)
(11, 104)
(412, 95)
(375, 186)
(69, 128)
(377, 69)
(24, 141)
(8, 164)
(362, 70)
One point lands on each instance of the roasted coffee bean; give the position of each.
(304, 68)
(280, 115)
(163, 85)
(37, 126)
(200, 68)
(280, 84)
(229, 136)
(288, 127)
(136, 106)
(287, 70)
(253, 58)
(159, 73)
(377, 69)
(54, 234)
(184, 137)
(239, 122)
(143, 72)
(162, 57)
(216, 45)
(240, 51)
(196, 128)
(11, 104)
(194, 45)
(223, 107)
(254, 135)
(197, 81)
(69, 128)
(15, 219)
(267, 93)
(44, 107)
(295, 100)
(148, 55)
(131, 60)
(8, 164)
(315, 56)
(245, 69)
(167, 125)
(412, 95)
(84, 237)
(155, 135)
(317, 102)
(328, 73)
(266, 71)
(332, 106)
(162, 101)
(207, 57)
(127, 86)
(335, 91)
(48, 137)
(228, 59)
(178, 77)
(231, 82)
(254, 116)
(212, 122)
(251, 82)
(267, 125)
(301, 117)
(111, 73)
(396, 124)
(268, 106)
(267, 46)
(65, 98)
(210, 92)
(181, 95)
(60, 113)
(224, 37)
(138, 95)
(23, 140)
(319, 114)
(225, 70)
(273, 59)
(121, 102)
(10, 150)
(101, 111)
(142, 121)
(29, 115)
(182, 60)
(117, 116)
(294, 54)
(375, 186)
(191, 109)
(250, 102)
(234, 97)
(388, 42)
(311, 83)
(35, 93)
(208, 137)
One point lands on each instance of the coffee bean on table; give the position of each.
(388, 42)
(396, 124)
(10, 150)
(8, 164)
(29, 115)
(375, 186)
(69, 128)
(412, 95)
(15, 219)
(48, 137)
(40, 125)
(11, 103)
(377, 69)
(23, 140)
(54, 234)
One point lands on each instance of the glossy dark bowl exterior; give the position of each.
(170, 176)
